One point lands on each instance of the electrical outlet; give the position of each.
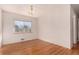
(22, 38)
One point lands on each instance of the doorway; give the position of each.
(75, 29)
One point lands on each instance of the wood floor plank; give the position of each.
(37, 47)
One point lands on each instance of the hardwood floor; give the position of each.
(37, 47)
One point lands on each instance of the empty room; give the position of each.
(39, 29)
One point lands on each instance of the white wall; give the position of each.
(9, 36)
(54, 24)
(0, 28)
(22, 9)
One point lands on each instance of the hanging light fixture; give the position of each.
(31, 10)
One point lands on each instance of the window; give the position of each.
(23, 26)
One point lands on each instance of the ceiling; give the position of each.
(76, 8)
